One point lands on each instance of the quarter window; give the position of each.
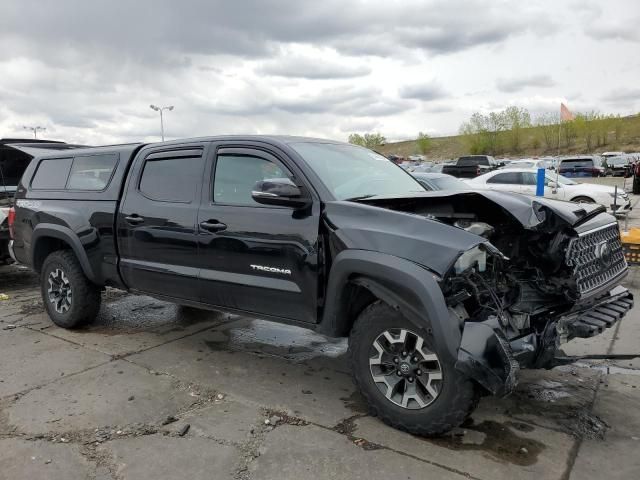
(236, 176)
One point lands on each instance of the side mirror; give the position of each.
(552, 184)
(279, 191)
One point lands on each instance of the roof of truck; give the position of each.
(128, 148)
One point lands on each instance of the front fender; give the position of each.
(400, 283)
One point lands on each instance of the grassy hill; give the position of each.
(532, 144)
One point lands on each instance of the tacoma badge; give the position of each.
(283, 271)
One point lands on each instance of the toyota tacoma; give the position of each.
(444, 295)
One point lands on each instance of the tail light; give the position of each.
(478, 170)
(11, 218)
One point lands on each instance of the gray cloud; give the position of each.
(624, 95)
(616, 31)
(89, 70)
(426, 91)
(511, 85)
(156, 31)
(312, 68)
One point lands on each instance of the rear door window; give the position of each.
(508, 178)
(172, 176)
(52, 174)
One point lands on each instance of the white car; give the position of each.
(523, 180)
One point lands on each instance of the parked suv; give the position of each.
(443, 295)
(581, 166)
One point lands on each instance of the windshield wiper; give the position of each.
(361, 197)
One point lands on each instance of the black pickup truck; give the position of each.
(471, 166)
(443, 295)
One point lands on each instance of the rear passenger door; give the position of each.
(257, 258)
(157, 221)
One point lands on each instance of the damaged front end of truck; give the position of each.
(545, 275)
(541, 273)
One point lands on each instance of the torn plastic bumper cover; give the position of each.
(487, 358)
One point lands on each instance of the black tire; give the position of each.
(458, 396)
(583, 199)
(85, 298)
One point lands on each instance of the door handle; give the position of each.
(134, 219)
(213, 226)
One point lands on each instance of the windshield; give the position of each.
(617, 161)
(472, 161)
(350, 172)
(576, 163)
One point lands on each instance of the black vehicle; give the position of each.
(443, 295)
(470, 166)
(619, 166)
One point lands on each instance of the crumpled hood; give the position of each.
(421, 240)
(374, 224)
(532, 211)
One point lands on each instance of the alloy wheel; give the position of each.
(405, 371)
(59, 292)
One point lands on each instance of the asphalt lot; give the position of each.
(266, 401)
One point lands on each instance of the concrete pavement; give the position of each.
(153, 391)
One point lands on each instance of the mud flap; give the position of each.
(487, 358)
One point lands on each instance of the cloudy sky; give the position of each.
(88, 70)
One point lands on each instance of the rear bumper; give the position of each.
(11, 254)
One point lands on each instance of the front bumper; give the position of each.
(487, 357)
(598, 317)
(621, 209)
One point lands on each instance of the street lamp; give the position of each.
(160, 109)
(35, 130)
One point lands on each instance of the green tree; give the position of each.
(586, 126)
(570, 133)
(481, 133)
(547, 123)
(368, 140)
(514, 120)
(423, 143)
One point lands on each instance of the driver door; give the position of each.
(256, 258)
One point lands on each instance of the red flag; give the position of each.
(565, 114)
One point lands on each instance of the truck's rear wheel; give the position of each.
(401, 377)
(70, 299)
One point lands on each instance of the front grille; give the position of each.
(596, 257)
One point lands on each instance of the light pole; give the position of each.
(35, 130)
(160, 109)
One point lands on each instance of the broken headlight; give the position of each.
(474, 257)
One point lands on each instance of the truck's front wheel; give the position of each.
(70, 299)
(401, 377)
